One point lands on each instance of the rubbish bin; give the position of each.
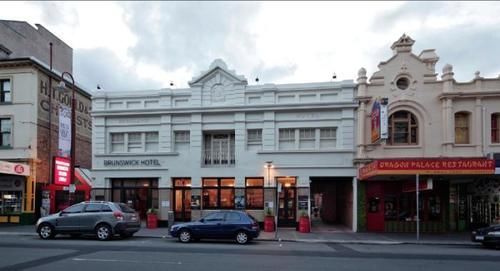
(171, 218)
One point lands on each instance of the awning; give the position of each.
(427, 166)
(83, 175)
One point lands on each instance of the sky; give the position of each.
(147, 45)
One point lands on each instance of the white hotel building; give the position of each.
(188, 151)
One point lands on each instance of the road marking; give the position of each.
(123, 261)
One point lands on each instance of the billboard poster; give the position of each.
(64, 146)
(375, 121)
(62, 174)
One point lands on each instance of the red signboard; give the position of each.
(437, 166)
(62, 173)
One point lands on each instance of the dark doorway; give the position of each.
(182, 199)
(287, 202)
(331, 202)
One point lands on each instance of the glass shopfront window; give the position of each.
(254, 193)
(218, 193)
(10, 202)
(402, 206)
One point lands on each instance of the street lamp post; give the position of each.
(269, 165)
(62, 87)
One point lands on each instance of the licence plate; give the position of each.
(480, 238)
(134, 218)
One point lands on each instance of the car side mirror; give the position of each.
(61, 213)
(202, 220)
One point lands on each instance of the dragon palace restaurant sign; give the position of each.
(437, 166)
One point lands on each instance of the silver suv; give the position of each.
(103, 218)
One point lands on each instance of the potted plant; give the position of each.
(152, 218)
(268, 220)
(304, 223)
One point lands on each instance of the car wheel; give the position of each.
(185, 236)
(242, 237)
(46, 231)
(126, 235)
(103, 232)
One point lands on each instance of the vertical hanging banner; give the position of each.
(384, 129)
(64, 148)
(375, 120)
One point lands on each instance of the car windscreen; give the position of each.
(125, 208)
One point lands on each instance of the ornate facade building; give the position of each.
(413, 124)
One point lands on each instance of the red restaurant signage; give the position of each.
(438, 166)
(62, 171)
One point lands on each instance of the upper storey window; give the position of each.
(5, 91)
(403, 129)
(495, 128)
(462, 128)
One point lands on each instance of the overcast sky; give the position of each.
(146, 45)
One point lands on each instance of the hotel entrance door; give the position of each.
(182, 199)
(287, 202)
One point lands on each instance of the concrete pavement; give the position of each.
(316, 236)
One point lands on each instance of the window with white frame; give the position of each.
(152, 142)
(134, 142)
(307, 138)
(5, 91)
(327, 138)
(181, 140)
(5, 130)
(117, 142)
(286, 139)
(254, 138)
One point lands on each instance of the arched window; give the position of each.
(462, 128)
(495, 128)
(403, 129)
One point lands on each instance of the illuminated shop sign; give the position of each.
(438, 166)
(62, 174)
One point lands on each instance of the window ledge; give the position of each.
(402, 147)
(463, 145)
(6, 148)
(307, 151)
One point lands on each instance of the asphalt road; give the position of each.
(31, 253)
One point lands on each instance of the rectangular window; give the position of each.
(254, 136)
(152, 142)
(10, 202)
(495, 128)
(218, 193)
(219, 150)
(286, 139)
(327, 138)
(462, 128)
(307, 138)
(117, 142)
(5, 91)
(181, 140)
(254, 193)
(134, 142)
(5, 130)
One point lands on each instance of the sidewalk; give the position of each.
(291, 235)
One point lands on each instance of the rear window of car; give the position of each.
(124, 207)
(233, 217)
(251, 217)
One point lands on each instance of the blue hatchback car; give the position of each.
(236, 225)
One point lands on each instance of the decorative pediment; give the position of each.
(218, 75)
(403, 44)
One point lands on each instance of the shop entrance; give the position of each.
(287, 202)
(139, 194)
(182, 199)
